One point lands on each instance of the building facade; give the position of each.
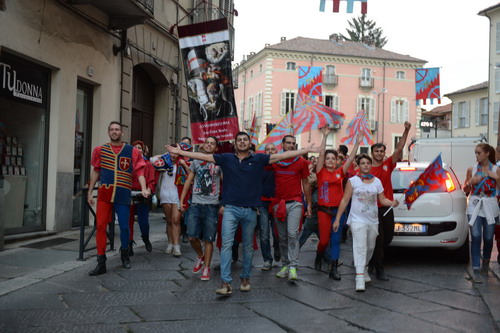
(355, 76)
(470, 115)
(68, 68)
(493, 14)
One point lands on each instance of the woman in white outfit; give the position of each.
(364, 189)
(481, 181)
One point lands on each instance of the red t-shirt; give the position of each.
(289, 179)
(383, 172)
(150, 174)
(138, 162)
(330, 189)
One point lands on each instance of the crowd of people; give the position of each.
(227, 198)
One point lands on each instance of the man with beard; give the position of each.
(114, 164)
(243, 172)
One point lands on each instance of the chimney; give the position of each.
(267, 45)
(334, 37)
(283, 39)
(250, 55)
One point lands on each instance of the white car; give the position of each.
(435, 219)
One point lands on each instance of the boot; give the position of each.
(125, 258)
(101, 266)
(131, 248)
(380, 273)
(485, 266)
(147, 243)
(318, 262)
(333, 270)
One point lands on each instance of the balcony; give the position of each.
(123, 14)
(330, 80)
(366, 82)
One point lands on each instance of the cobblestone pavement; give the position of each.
(47, 290)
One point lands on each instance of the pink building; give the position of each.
(355, 76)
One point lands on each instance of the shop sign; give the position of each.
(22, 82)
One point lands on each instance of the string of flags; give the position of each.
(350, 6)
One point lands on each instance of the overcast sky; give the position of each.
(446, 33)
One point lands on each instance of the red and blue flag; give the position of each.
(358, 125)
(431, 180)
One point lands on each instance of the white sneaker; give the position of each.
(360, 283)
(169, 249)
(267, 266)
(367, 276)
(177, 250)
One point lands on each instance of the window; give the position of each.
(249, 108)
(366, 74)
(400, 75)
(399, 111)
(260, 68)
(258, 105)
(364, 150)
(251, 74)
(290, 66)
(287, 102)
(497, 38)
(330, 70)
(332, 101)
(497, 78)
(367, 103)
(481, 111)
(496, 105)
(463, 115)
(329, 76)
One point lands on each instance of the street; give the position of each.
(427, 292)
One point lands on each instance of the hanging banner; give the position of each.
(350, 6)
(207, 62)
(427, 85)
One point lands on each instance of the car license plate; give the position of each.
(413, 228)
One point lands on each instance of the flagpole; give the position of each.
(390, 208)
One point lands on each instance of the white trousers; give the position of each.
(363, 244)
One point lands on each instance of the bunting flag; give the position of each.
(254, 137)
(358, 125)
(311, 80)
(350, 6)
(284, 127)
(308, 115)
(427, 85)
(432, 179)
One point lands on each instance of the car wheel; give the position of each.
(462, 254)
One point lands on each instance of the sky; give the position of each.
(446, 33)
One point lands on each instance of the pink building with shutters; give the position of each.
(355, 76)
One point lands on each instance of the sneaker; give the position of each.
(245, 285)
(205, 276)
(476, 276)
(267, 266)
(225, 289)
(367, 275)
(360, 283)
(198, 265)
(177, 250)
(292, 274)
(283, 272)
(169, 248)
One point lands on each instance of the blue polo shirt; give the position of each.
(242, 182)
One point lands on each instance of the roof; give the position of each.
(340, 48)
(438, 111)
(479, 86)
(484, 11)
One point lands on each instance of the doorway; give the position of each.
(143, 107)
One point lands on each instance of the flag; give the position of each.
(311, 81)
(358, 125)
(350, 6)
(310, 115)
(427, 85)
(253, 133)
(284, 127)
(432, 179)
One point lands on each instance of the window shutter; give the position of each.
(406, 111)
(372, 109)
(359, 105)
(455, 115)
(336, 102)
(467, 114)
(495, 117)
(478, 111)
(283, 103)
(497, 39)
(393, 111)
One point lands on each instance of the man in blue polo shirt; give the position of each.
(243, 172)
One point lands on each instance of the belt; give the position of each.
(290, 201)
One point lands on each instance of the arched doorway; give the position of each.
(143, 107)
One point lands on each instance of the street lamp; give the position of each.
(378, 93)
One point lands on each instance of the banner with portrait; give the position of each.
(206, 53)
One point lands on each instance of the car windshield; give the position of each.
(401, 180)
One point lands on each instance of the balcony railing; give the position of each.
(330, 79)
(123, 14)
(366, 82)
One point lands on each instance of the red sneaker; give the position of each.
(198, 265)
(205, 276)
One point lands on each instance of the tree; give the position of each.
(364, 30)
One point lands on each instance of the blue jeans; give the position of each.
(202, 221)
(142, 211)
(264, 223)
(233, 217)
(481, 227)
